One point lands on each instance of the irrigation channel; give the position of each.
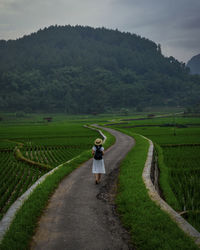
(80, 214)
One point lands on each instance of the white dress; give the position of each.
(98, 166)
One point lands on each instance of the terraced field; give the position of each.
(27, 152)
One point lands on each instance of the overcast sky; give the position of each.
(175, 24)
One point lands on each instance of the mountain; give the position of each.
(194, 64)
(76, 69)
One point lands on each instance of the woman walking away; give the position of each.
(98, 167)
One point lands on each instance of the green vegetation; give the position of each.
(15, 178)
(165, 135)
(80, 139)
(184, 179)
(85, 70)
(27, 152)
(150, 227)
(177, 142)
(25, 222)
(180, 170)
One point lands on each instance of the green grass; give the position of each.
(165, 135)
(163, 121)
(150, 227)
(178, 159)
(23, 226)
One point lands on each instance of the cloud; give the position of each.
(173, 24)
(191, 22)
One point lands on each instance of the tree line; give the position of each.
(76, 69)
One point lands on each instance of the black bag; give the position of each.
(98, 153)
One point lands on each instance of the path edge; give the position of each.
(153, 194)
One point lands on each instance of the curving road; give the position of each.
(77, 217)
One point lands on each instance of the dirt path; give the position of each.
(80, 214)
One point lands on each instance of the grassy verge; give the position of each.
(110, 138)
(150, 227)
(23, 226)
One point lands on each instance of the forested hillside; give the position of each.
(194, 64)
(83, 70)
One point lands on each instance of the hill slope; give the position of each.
(82, 70)
(194, 64)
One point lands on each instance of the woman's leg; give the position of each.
(96, 177)
(99, 177)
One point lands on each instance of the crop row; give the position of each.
(15, 178)
(184, 175)
(29, 151)
(182, 157)
(52, 156)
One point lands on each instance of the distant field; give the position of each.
(179, 138)
(165, 135)
(29, 151)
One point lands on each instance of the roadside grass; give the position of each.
(149, 226)
(110, 140)
(178, 161)
(23, 227)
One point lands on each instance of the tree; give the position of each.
(83, 70)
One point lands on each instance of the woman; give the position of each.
(98, 167)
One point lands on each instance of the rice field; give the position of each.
(45, 146)
(29, 151)
(179, 139)
(184, 177)
(15, 178)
